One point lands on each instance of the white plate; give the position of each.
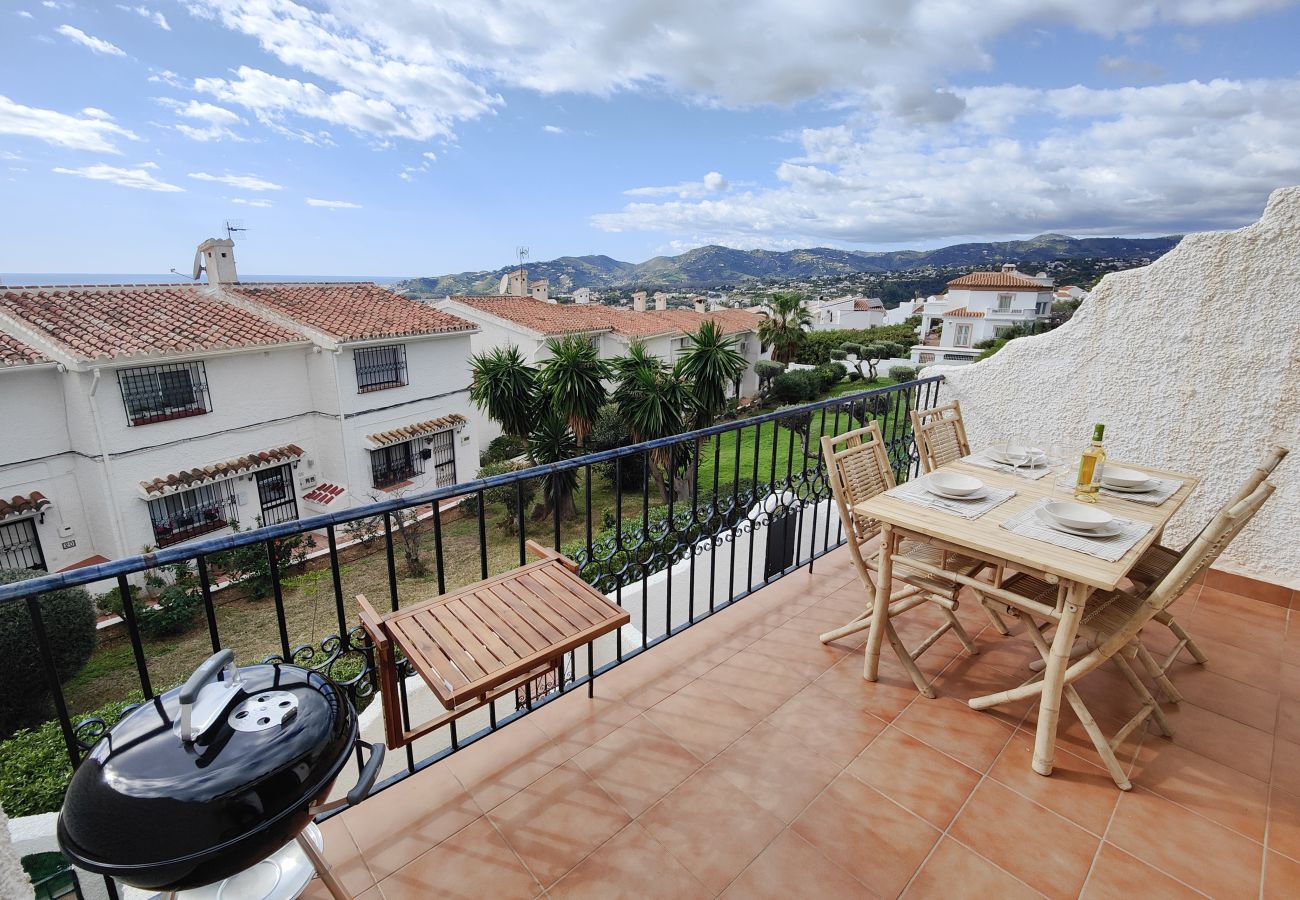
(1110, 529)
(978, 494)
(1037, 459)
(1145, 488)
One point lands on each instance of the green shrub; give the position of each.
(608, 432)
(799, 386)
(68, 615)
(850, 348)
(902, 373)
(855, 375)
(513, 497)
(838, 355)
(503, 447)
(176, 599)
(250, 565)
(816, 346)
(110, 601)
(34, 767)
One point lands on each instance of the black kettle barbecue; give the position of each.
(209, 779)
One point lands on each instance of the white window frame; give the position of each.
(961, 334)
(1005, 301)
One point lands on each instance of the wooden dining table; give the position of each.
(1077, 574)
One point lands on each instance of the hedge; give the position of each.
(816, 346)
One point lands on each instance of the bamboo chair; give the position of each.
(858, 468)
(1112, 622)
(940, 436)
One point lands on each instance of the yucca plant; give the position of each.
(656, 402)
(504, 386)
(572, 382)
(552, 441)
(786, 322)
(711, 364)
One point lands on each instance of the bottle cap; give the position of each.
(1097, 431)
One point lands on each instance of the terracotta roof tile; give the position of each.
(867, 304)
(103, 322)
(963, 312)
(407, 432)
(350, 311)
(17, 505)
(14, 352)
(324, 493)
(183, 481)
(997, 280)
(554, 318)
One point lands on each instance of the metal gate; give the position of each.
(20, 548)
(443, 453)
(276, 496)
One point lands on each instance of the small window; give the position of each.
(925, 357)
(396, 463)
(186, 515)
(380, 367)
(158, 393)
(961, 336)
(1004, 302)
(1043, 308)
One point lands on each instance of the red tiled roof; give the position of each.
(989, 281)
(350, 311)
(83, 563)
(553, 318)
(97, 322)
(19, 504)
(964, 313)
(14, 352)
(324, 493)
(407, 432)
(182, 481)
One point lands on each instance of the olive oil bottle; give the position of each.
(1091, 464)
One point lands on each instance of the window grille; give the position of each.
(380, 367)
(158, 393)
(396, 463)
(188, 514)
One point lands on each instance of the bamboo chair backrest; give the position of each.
(1211, 542)
(858, 469)
(940, 435)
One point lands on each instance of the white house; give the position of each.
(154, 414)
(849, 312)
(904, 311)
(528, 324)
(977, 307)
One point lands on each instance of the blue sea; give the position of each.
(36, 278)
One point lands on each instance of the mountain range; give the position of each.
(713, 266)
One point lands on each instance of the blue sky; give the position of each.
(425, 136)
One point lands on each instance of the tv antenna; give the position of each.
(521, 253)
(234, 227)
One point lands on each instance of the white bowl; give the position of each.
(1124, 478)
(1078, 515)
(956, 483)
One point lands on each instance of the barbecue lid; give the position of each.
(206, 764)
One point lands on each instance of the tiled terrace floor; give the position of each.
(745, 759)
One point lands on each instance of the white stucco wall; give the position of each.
(1175, 387)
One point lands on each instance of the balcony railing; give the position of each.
(732, 485)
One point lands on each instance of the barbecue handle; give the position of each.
(368, 774)
(189, 692)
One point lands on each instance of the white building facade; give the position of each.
(849, 312)
(978, 307)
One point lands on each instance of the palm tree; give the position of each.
(572, 382)
(786, 321)
(711, 364)
(655, 402)
(552, 441)
(503, 385)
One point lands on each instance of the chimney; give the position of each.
(217, 256)
(661, 301)
(701, 304)
(638, 301)
(1008, 267)
(582, 296)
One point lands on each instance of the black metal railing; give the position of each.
(743, 503)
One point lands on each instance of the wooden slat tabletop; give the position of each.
(469, 642)
(987, 537)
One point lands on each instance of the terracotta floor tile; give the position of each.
(629, 866)
(834, 727)
(1281, 878)
(702, 720)
(345, 859)
(1117, 874)
(955, 872)
(775, 770)
(798, 654)
(1144, 823)
(1228, 697)
(1260, 637)
(950, 725)
(1288, 719)
(1222, 739)
(864, 832)
(1046, 851)
(792, 867)
(638, 764)
(756, 681)
(1078, 790)
(499, 765)
(574, 722)
(1288, 679)
(884, 699)
(1216, 791)
(556, 821)
(1232, 604)
(1286, 766)
(1284, 823)
(912, 773)
(1264, 672)
(711, 827)
(471, 864)
(397, 825)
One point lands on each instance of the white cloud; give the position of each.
(93, 130)
(711, 183)
(138, 178)
(167, 76)
(260, 202)
(552, 129)
(1130, 160)
(243, 182)
(430, 155)
(22, 13)
(217, 120)
(152, 15)
(148, 165)
(332, 204)
(96, 44)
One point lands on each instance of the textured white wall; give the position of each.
(1192, 362)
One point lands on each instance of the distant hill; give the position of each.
(714, 266)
